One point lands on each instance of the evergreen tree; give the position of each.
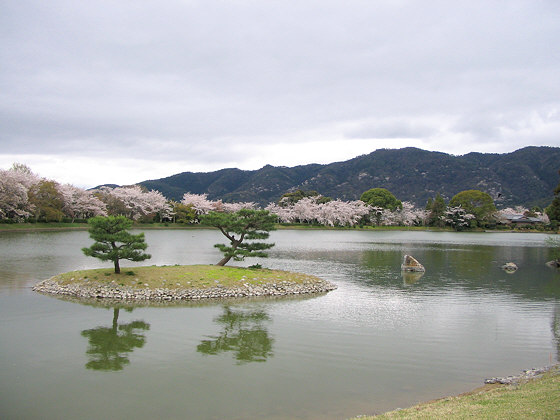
(553, 211)
(381, 197)
(48, 201)
(247, 224)
(436, 210)
(113, 241)
(475, 202)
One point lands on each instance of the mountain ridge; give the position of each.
(524, 177)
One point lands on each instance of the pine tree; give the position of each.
(247, 224)
(113, 241)
(437, 209)
(553, 211)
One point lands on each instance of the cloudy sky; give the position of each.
(97, 92)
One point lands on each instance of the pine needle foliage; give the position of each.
(113, 242)
(239, 227)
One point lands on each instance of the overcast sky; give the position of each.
(96, 92)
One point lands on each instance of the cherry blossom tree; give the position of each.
(202, 205)
(408, 215)
(80, 204)
(14, 188)
(315, 210)
(458, 218)
(233, 207)
(14, 203)
(134, 202)
(284, 214)
(23, 175)
(199, 202)
(341, 213)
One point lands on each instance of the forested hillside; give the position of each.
(524, 177)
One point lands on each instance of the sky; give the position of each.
(95, 92)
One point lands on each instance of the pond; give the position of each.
(378, 342)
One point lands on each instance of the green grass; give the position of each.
(534, 399)
(7, 227)
(182, 276)
(41, 226)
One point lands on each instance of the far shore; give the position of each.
(56, 226)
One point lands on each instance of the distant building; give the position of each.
(520, 220)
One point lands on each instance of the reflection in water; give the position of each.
(243, 333)
(411, 277)
(469, 267)
(108, 346)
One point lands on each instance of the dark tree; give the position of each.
(475, 202)
(553, 211)
(437, 210)
(293, 197)
(381, 197)
(240, 226)
(113, 241)
(48, 201)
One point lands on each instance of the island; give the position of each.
(181, 282)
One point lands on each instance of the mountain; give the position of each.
(526, 177)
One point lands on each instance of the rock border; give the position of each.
(120, 293)
(524, 376)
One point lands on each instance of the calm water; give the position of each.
(378, 342)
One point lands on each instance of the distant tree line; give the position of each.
(26, 197)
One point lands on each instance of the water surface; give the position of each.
(378, 342)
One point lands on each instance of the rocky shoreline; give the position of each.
(120, 293)
(524, 376)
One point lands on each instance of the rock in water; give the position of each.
(411, 264)
(509, 267)
(554, 263)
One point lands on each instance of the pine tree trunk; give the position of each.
(224, 261)
(117, 267)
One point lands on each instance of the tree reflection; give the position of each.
(108, 346)
(243, 333)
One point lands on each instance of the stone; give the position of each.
(554, 263)
(509, 267)
(411, 264)
(50, 286)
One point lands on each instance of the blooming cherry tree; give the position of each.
(14, 202)
(311, 209)
(202, 205)
(81, 204)
(458, 218)
(199, 202)
(134, 203)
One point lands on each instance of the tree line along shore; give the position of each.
(26, 197)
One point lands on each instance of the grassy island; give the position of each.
(180, 282)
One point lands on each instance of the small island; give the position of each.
(181, 282)
(114, 242)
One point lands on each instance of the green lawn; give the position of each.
(183, 276)
(534, 399)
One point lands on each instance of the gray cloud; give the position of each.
(213, 83)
